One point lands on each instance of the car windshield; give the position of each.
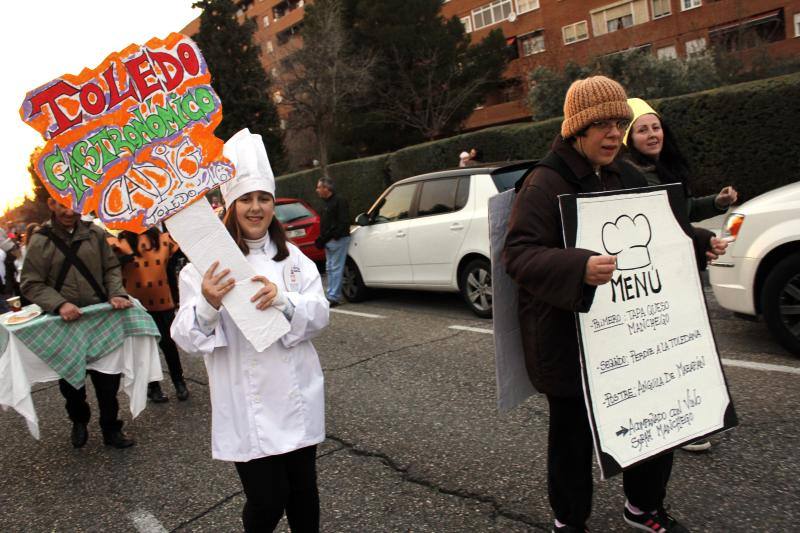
(506, 180)
(292, 211)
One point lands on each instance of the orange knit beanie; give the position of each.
(592, 99)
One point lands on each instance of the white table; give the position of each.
(137, 360)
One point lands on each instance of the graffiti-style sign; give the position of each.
(133, 139)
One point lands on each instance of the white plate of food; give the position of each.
(20, 317)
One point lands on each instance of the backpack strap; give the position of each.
(71, 259)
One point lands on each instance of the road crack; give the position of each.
(498, 509)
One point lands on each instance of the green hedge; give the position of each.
(359, 180)
(744, 135)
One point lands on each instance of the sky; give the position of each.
(44, 39)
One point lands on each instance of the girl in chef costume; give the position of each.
(268, 412)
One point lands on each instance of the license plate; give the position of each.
(294, 233)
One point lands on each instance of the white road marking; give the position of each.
(145, 522)
(761, 366)
(475, 330)
(356, 313)
(752, 365)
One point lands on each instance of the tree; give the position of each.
(34, 206)
(324, 78)
(428, 77)
(237, 74)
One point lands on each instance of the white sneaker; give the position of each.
(697, 446)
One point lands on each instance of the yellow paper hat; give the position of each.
(639, 108)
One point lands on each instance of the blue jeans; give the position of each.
(335, 256)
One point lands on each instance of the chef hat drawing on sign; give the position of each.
(627, 238)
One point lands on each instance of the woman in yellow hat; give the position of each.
(653, 149)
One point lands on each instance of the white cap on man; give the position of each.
(253, 172)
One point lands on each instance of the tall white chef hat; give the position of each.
(253, 172)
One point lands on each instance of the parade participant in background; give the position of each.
(268, 410)
(8, 281)
(145, 262)
(334, 236)
(653, 149)
(475, 157)
(30, 229)
(60, 285)
(463, 159)
(556, 282)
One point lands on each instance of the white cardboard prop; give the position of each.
(204, 239)
(513, 385)
(651, 373)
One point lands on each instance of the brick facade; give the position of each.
(663, 27)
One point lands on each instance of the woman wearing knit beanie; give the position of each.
(556, 282)
(653, 149)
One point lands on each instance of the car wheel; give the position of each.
(476, 287)
(780, 302)
(353, 287)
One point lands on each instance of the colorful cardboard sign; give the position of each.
(131, 140)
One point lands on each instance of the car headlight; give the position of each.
(730, 230)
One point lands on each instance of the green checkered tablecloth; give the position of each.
(67, 347)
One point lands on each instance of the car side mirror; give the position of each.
(362, 220)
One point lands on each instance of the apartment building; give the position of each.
(555, 32)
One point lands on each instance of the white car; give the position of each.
(760, 272)
(430, 232)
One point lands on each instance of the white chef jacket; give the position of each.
(263, 403)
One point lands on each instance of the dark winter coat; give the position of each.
(550, 277)
(698, 207)
(334, 220)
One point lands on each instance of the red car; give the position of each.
(301, 223)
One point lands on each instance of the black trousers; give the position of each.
(569, 467)
(163, 320)
(105, 387)
(286, 482)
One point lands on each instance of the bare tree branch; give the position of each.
(320, 81)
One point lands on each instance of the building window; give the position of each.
(690, 4)
(284, 8)
(265, 20)
(523, 6)
(751, 32)
(283, 36)
(661, 8)
(797, 24)
(493, 13)
(532, 43)
(575, 32)
(667, 52)
(695, 46)
(619, 16)
(467, 22)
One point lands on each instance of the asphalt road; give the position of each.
(414, 443)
